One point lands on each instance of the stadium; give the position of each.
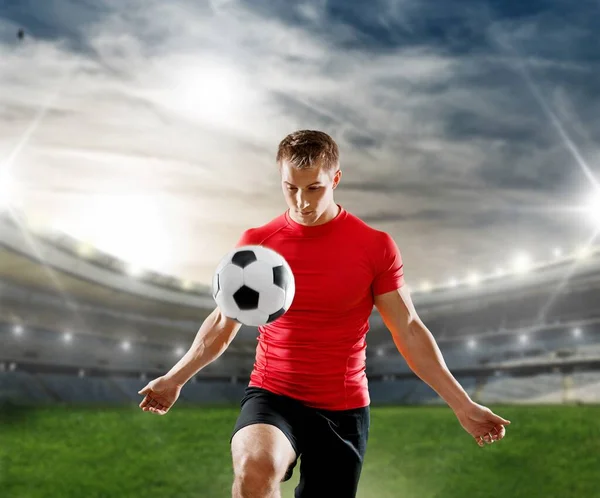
(82, 330)
(140, 140)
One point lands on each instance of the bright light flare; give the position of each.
(85, 250)
(473, 279)
(522, 262)
(129, 227)
(7, 190)
(204, 89)
(426, 286)
(593, 209)
(135, 270)
(584, 252)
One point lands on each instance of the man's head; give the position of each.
(308, 161)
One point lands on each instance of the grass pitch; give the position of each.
(413, 452)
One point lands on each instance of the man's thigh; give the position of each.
(261, 408)
(333, 454)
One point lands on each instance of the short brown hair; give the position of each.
(305, 149)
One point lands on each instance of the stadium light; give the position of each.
(522, 262)
(452, 282)
(380, 352)
(68, 337)
(557, 252)
(425, 286)
(472, 343)
(6, 190)
(84, 249)
(18, 329)
(577, 332)
(473, 278)
(523, 339)
(593, 208)
(179, 352)
(134, 271)
(584, 252)
(126, 345)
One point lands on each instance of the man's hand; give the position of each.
(484, 425)
(161, 394)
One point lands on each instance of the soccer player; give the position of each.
(308, 393)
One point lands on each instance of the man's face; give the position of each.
(308, 192)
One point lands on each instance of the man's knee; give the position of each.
(258, 473)
(261, 464)
(261, 456)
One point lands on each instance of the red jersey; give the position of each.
(316, 351)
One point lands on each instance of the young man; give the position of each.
(308, 394)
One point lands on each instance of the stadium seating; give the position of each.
(531, 389)
(23, 387)
(585, 387)
(43, 389)
(213, 392)
(70, 389)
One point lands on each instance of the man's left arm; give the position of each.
(418, 347)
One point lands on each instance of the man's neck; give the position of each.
(328, 215)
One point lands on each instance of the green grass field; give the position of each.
(415, 452)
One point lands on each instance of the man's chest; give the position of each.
(332, 278)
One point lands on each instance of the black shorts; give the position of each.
(331, 444)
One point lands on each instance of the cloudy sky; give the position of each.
(467, 130)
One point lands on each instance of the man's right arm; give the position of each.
(214, 336)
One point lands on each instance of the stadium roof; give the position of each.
(55, 266)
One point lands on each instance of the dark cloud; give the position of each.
(66, 20)
(304, 111)
(417, 188)
(523, 166)
(463, 124)
(360, 140)
(459, 27)
(476, 219)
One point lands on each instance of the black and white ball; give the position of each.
(253, 285)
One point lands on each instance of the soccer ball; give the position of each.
(253, 285)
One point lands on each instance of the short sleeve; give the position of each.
(389, 269)
(246, 239)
